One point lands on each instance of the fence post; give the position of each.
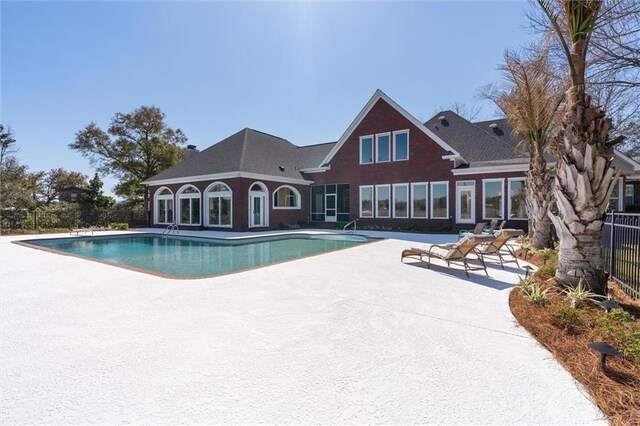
(612, 250)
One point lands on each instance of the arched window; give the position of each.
(164, 206)
(189, 205)
(219, 200)
(258, 207)
(286, 197)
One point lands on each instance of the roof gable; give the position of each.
(380, 95)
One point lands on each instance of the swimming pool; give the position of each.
(195, 257)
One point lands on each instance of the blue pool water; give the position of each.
(192, 257)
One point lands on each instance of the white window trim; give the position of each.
(395, 133)
(266, 203)
(158, 197)
(414, 184)
(393, 200)
(377, 198)
(632, 195)
(484, 182)
(379, 135)
(373, 200)
(295, 191)
(181, 196)
(460, 188)
(220, 194)
(373, 148)
(446, 183)
(509, 180)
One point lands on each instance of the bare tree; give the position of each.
(469, 112)
(7, 144)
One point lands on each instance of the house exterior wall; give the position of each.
(425, 164)
(240, 204)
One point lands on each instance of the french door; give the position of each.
(465, 202)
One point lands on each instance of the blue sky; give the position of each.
(298, 70)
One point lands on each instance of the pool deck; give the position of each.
(352, 336)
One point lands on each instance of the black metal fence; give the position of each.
(23, 219)
(621, 243)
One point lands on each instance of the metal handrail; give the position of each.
(168, 229)
(355, 226)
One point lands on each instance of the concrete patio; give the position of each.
(353, 336)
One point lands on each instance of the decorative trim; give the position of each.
(628, 160)
(228, 175)
(363, 113)
(508, 168)
(295, 191)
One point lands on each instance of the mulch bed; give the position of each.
(616, 390)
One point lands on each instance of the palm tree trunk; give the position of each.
(585, 177)
(538, 187)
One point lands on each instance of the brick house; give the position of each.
(388, 170)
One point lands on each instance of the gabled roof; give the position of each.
(247, 152)
(481, 142)
(380, 95)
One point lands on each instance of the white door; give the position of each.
(258, 208)
(465, 205)
(330, 212)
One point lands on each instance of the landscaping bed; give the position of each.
(565, 329)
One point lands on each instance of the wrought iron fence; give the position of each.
(621, 243)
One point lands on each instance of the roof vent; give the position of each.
(442, 118)
(191, 147)
(281, 168)
(493, 125)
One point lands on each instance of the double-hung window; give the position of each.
(383, 148)
(366, 149)
(401, 145)
(517, 196)
(383, 195)
(493, 198)
(439, 200)
(419, 200)
(401, 200)
(366, 201)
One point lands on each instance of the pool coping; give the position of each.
(25, 243)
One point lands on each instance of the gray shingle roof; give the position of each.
(249, 151)
(477, 142)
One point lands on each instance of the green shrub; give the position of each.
(569, 319)
(579, 295)
(622, 330)
(122, 226)
(533, 292)
(548, 269)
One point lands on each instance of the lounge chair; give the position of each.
(475, 231)
(492, 227)
(494, 248)
(453, 253)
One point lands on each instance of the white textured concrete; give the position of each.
(353, 336)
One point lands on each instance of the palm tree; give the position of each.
(530, 101)
(585, 174)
